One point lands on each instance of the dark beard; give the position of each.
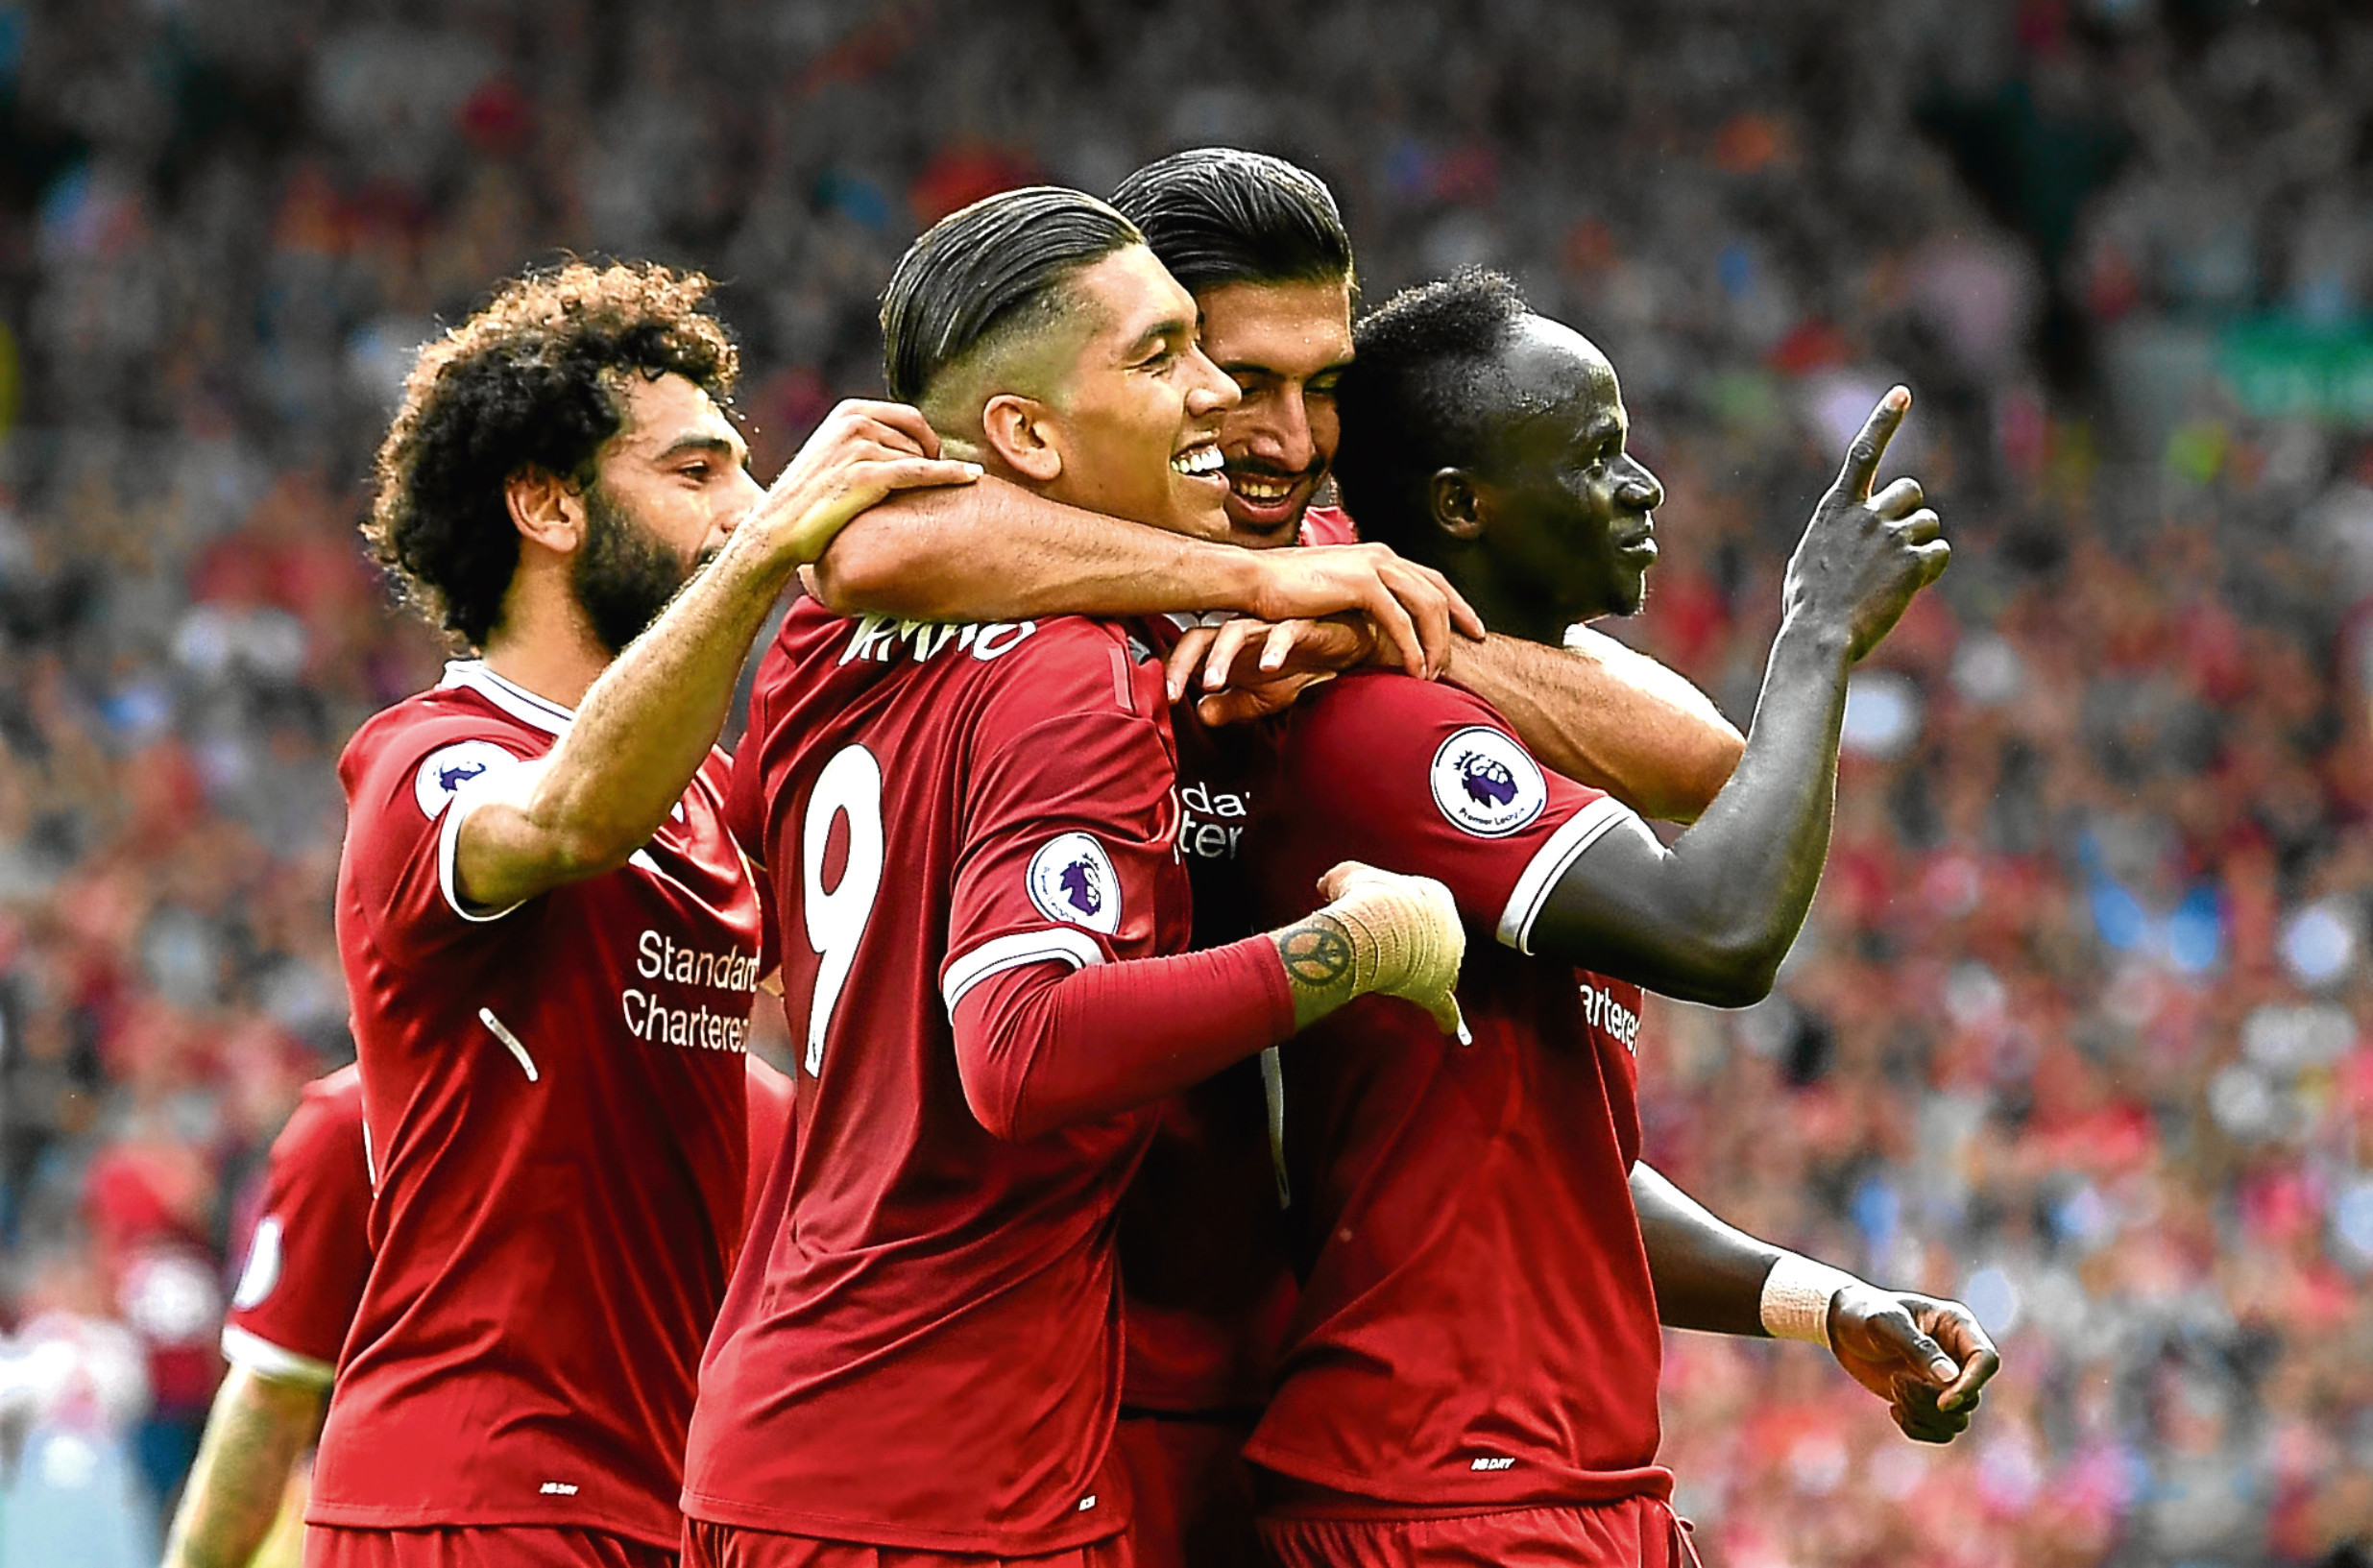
(623, 576)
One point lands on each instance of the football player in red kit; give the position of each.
(1204, 1270)
(295, 1301)
(550, 941)
(971, 832)
(1471, 1374)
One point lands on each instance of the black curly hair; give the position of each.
(529, 381)
(1423, 392)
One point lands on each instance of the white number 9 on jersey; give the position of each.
(851, 786)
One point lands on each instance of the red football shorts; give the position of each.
(494, 1546)
(1635, 1532)
(1192, 1490)
(709, 1545)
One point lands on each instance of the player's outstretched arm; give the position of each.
(1039, 1048)
(1926, 1359)
(999, 552)
(1609, 716)
(647, 725)
(253, 1434)
(1710, 919)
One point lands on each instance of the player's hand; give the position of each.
(1292, 656)
(1407, 939)
(1413, 607)
(1927, 1359)
(863, 451)
(1864, 556)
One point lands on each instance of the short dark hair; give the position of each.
(986, 270)
(529, 381)
(1218, 215)
(1421, 394)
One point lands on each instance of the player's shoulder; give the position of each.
(328, 1115)
(471, 721)
(1379, 706)
(1066, 666)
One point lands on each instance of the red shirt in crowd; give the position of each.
(306, 1265)
(1476, 1327)
(556, 1103)
(922, 1345)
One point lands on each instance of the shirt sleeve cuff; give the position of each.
(1584, 829)
(448, 844)
(268, 1361)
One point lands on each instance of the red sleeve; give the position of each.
(1423, 778)
(297, 1296)
(1040, 1050)
(409, 786)
(1070, 858)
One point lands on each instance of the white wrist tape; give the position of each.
(1796, 1298)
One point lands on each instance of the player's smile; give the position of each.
(1263, 500)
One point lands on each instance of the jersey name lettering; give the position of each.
(878, 638)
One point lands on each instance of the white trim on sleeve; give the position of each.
(448, 843)
(1584, 829)
(1053, 944)
(266, 1359)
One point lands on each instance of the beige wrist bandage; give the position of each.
(1796, 1298)
(1406, 941)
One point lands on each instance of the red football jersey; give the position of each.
(1328, 525)
(770, 1128)
(1476, 1327)
(1205, 1276)
(556, 1105)
(922, 1345)
(310, 1253)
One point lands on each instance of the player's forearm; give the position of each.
(1711, 919)
(642, 733)
(1607, 716)
(253, 1436)
(995, 551)
(1037, 1051)
(1709, 1274)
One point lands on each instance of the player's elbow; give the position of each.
(1738, 967)
(997, 1109)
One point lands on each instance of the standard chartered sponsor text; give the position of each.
(658, 957)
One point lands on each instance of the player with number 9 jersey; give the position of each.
(921, 1348)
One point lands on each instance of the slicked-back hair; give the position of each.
(1220, 215)
(1423, 393)
(987, 269)
(531, 381)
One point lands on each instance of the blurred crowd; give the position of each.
(2082, 1029)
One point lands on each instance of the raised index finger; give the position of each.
(1862, 457)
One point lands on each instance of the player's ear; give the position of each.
(1020, 431)
(545, 509)
(1455, 503)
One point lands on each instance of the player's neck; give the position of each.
(1505, 608)
(544, 644)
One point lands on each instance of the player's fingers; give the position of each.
(1920, 527)
(1179, 670)
(923, 472)
(1449, 1020)
(1977, 1369)
(1853, 480)
(1899, 499)
(1338, 877)
(1429, 610)
(1395, 625)
(1935, 557)
(905, 420)
(1897, 1332)
(1462, 614)
(1280, 642)
(1224, 653)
